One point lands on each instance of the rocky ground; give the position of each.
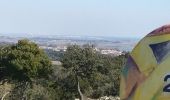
(109, 98)
(105, 98)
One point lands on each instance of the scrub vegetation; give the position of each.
(26, 73)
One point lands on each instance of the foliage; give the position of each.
(24, 60)
(31, 76)
(39, 90)
(98, 74)
(22, 65)
(54, 55)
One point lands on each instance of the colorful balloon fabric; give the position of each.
(146, 75)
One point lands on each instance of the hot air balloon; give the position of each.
(146, 75)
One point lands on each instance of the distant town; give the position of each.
(104, 45)
(112, 52)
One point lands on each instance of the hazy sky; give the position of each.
(127, 18)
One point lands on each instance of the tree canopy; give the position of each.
(24, 60)
(97, 74)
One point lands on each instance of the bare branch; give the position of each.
(4, 95)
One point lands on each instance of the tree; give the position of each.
(22, 64)
(98, 75)
(24, 60)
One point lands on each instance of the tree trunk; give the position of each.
(82, 97)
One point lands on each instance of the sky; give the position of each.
(116, 18)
